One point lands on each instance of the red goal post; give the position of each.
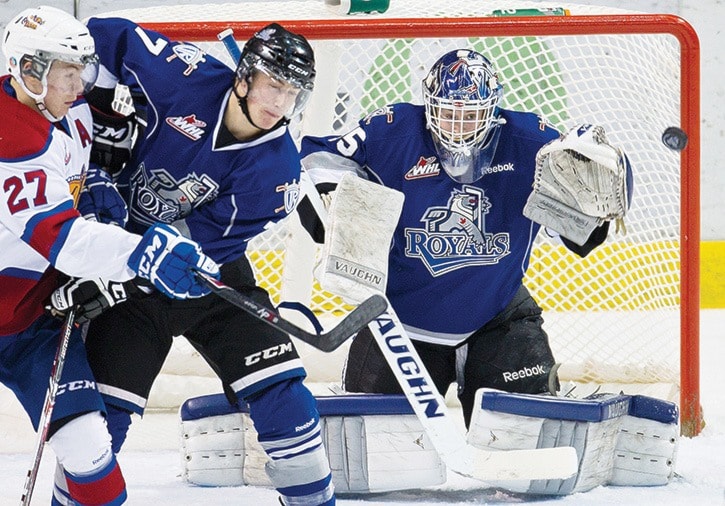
(630, 313)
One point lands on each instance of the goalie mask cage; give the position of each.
(626, 314)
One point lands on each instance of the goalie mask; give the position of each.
(40, 36)
(283, 56)
(461, 94)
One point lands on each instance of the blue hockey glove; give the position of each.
(100, 200)
(169, 260)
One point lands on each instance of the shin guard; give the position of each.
(288, 426)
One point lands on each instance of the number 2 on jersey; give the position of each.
(15, 187)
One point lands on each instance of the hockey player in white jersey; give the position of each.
(215, 158)
(46, 135)
(455, 270)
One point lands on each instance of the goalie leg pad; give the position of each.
(609, 434)
(374, 443)
(214, 444)
(646, 448)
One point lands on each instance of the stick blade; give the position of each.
(368, 310)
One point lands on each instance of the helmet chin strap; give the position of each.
(38, 98)
(245, 110)
(45, 112)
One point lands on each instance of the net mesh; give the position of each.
(613, 316)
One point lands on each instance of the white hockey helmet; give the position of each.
(41, 35)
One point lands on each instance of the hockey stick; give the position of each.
(324, 341)
(430, 408)
(44, 425)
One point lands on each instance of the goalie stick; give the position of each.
(323, 341)
(44, 424)
(430, 408)
(433, 414)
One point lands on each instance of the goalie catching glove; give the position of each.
(91, 297)
(581, 181)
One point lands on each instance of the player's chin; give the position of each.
(269, 120)
(60, 110)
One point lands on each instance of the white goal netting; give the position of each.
(613, 317)
(620, 315)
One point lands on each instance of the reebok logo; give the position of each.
(305, 425)
(501, 167)
(526, 372)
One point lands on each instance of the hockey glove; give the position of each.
(91, 297)
(113, 138)
(581, 181)
(100, 200)
(168, 260)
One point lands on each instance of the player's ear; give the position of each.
(26, 72)
(241, 86)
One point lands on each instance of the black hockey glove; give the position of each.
(90, 296)
(112, 140)
(113, 133)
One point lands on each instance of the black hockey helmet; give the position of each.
(283, 55)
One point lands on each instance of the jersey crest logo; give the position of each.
(157, 196)
(188, 125)
(426, 167)
(455, 235)
(291, 196)
(189, 54)
(75, 185)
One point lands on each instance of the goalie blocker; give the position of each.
(375, 443)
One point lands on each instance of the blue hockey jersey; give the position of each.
(460, 250)
(218, 196)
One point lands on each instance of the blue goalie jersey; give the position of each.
(460, 250)
(220, 194)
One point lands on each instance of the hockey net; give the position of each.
(626, 314)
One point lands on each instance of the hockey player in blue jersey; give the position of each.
(215, 158)
(46, 141)
(460, 249)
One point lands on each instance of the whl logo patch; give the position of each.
(426, 167)
(188, 125)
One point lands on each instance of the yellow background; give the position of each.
(712, 274)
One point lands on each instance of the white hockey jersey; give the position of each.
(42, 166)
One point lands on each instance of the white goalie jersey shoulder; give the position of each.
(581, 181)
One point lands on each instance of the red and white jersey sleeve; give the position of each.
(42, 167)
